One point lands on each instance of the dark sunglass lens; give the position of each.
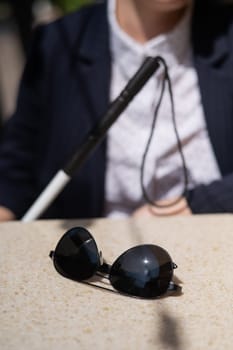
(143, 271)
(76, 255)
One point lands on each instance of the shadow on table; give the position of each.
(170, 331)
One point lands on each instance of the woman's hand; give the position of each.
(179, 208)
(6, 214)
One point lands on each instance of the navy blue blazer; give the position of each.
(65, 90)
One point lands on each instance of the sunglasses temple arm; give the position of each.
(174, 287)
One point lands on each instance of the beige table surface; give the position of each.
(39, 309)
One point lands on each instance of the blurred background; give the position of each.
(17, 20)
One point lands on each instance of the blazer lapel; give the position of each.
(215, 80)
(93, 62)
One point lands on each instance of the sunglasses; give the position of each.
(143, 271)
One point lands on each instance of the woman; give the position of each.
(79, 63)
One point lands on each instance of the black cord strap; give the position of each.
(142, 168)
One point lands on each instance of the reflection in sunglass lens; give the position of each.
(143, 271)
(76, 255)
